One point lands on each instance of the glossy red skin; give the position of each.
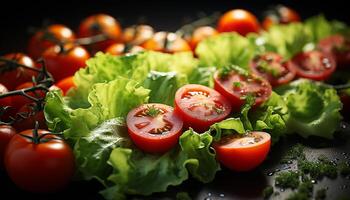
(64, 64)
(29, 123)
(200, 34)
(7, 101)
(6, 133)
(330, 45)
(154, 143)
(66, 84)
(244, 158)
(308, 59)
(118, 49)
(100, 24)
(175, 43)
(240, 21)
(280, 15)
(138, 34)
(11, 79)
(277, 60)
(38, 43)
(223, 86)
(197, 119)
(40, 168)
(19, 101)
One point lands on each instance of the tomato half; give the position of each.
(167, 43)
(339, 46)
(280, 15)
(315, 65)
(49, 36)
(154, 128)
(235, 87)
(122, 49)
(6, 133)
(64, 63)
(66, 84)
(200, 34)
(137, 34)
(12, 78)
(243, 153)
(100, 24)
(47, 166)
(240, 21)
(200, 106)
(273, 68)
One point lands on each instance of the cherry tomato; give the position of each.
(154, 128)
(167, 43)
(240, 21)
(62, 63)
(66, 84)
(6, 133)
(200, 34)
(49, 36)
(280, 15)
(7, 101)
(100, 24)
(339, 46)
(243, 153)
(122, 49)
(315, 65)
(200, 106)
(137, 34)
(32, 115)
(44, 166)
(11, 79)
(272, 67)
(235, 87)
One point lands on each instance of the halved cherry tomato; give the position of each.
(154, 128)
(45, 166)
(200, 34)
(100, 24)
(272, 67)
(315, 65)
(66, 84)
(339, 46)
(240, 21)
(167, 43)
(12, 78)
(200, 106)
(6, 133)
(235, 87)
(62, 63)
(49, 36)
(137, 34)
(122, 49)
(243, 153)
(280, 15)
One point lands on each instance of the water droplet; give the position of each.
(209, 194)
(277, 170)
(221, 195)
(270, 174)
(282, 190)
(343, 153)
(343, 126)
(207, 198)
(289, 161)
(333, 163)
(313, 181)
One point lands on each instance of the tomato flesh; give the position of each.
(243, 153)
(200, 106)
(157, 132)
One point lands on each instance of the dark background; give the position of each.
(17, 18)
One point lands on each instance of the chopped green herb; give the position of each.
(306, 187)
(321, 194)
(344, 168)
(288, 179)
(319, 169)
(296, 152)
(264, 66)
(225, 71)
(267, 192)
(236, 84)
(152, 111)
(183, 196)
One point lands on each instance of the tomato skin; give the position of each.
(11, 79)
(137, 34)
(195, 118)
(7, 101)
(225, 87)
(167, 43)
(118, 49)
(200, 34)
(29, 123)
(243, 158)
(100, 24)
(66, 84)
(280, 15)
(40, 168)
(64, 64)
(334, 45)
(154, 143)
(39, 42)
(6, 133)
(276, 61)
(240, 21)
(314, 61)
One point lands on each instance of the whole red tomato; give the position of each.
(39, 165)
(6, 133)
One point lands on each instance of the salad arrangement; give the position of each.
(144, 121)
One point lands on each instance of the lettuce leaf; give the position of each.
(314, 108)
